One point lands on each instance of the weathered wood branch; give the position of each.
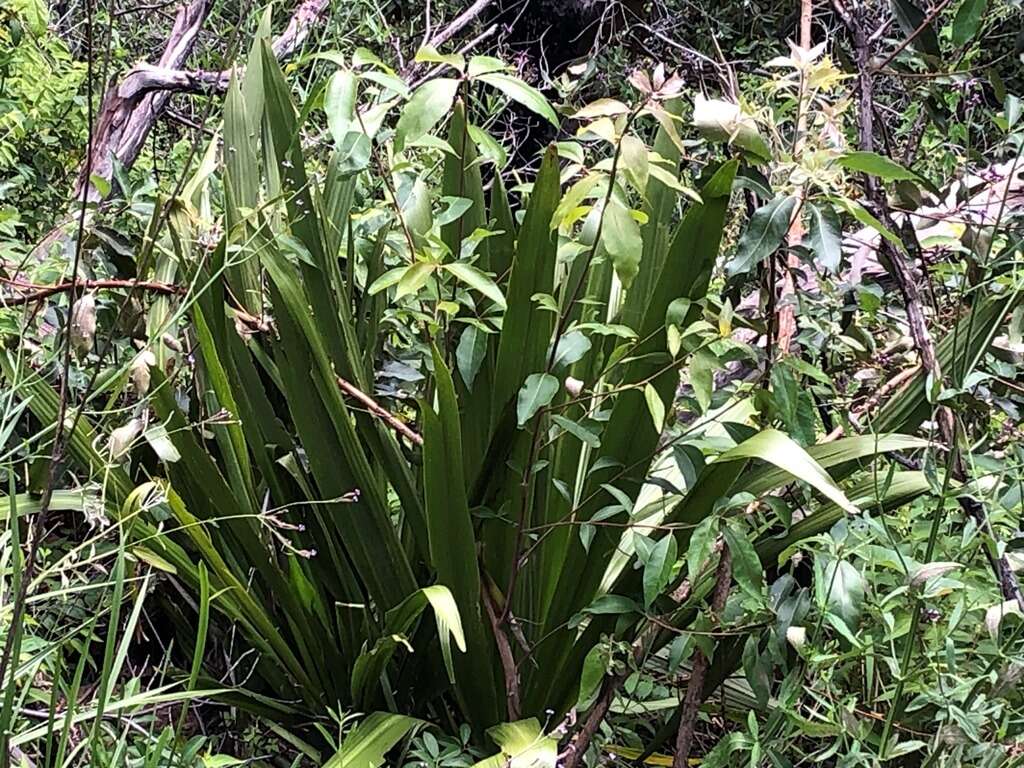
(131, 107)
(125, 120)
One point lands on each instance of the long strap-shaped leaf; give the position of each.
(367, 744)
(332, 445)
(322, 280)
(629, 441)
(526, 332)
(453, 544)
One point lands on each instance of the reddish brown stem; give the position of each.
(379, 411)
(573, 755)
(41, 292)
(695, 686)
(508, 661)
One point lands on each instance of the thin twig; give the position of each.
(508, 661)
(379, 411)
(41, 292)
(695, 686)
(913, 35)
(449, 31)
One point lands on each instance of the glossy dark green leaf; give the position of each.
(763, 234)
(967, 21)
(910, 18)
(825, 236)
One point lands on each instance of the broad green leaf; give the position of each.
(340, 103)
(429, 103)
(482, 65)
(725, 121)
(757, 671)
(414, 278)
(454, 208)
(577, 430)
(884, 168)
(369, 741)
(825, 236)
(633, 159)
(763, 234)
(778, 449)
(762, 480)
(537, 392)
(910, 19)
(594, 667)
(470, 353)
(746, 566)
(658, 568)
(620, 236)
(416, 210)
(865, 217)
(476, 279)
(519, 91)
(654, 406)
(967, 21)
(841, 589)
(700, 374)
(702, 541)
(571, 347)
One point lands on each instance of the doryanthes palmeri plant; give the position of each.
(545, 342)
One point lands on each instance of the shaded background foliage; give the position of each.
(824, 669)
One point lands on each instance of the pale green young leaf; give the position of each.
(537, 392)
(369, 741)
(517, 90)
(477, 280)
(655, 406)
(620, 236)
(428, 54)
(428, 105)
(414, 278)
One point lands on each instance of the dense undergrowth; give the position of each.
(360, 438)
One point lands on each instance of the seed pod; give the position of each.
(122, 438)
(171, 343)
(139, 372)
(573, 386)
(83, 324)
(796, 636)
